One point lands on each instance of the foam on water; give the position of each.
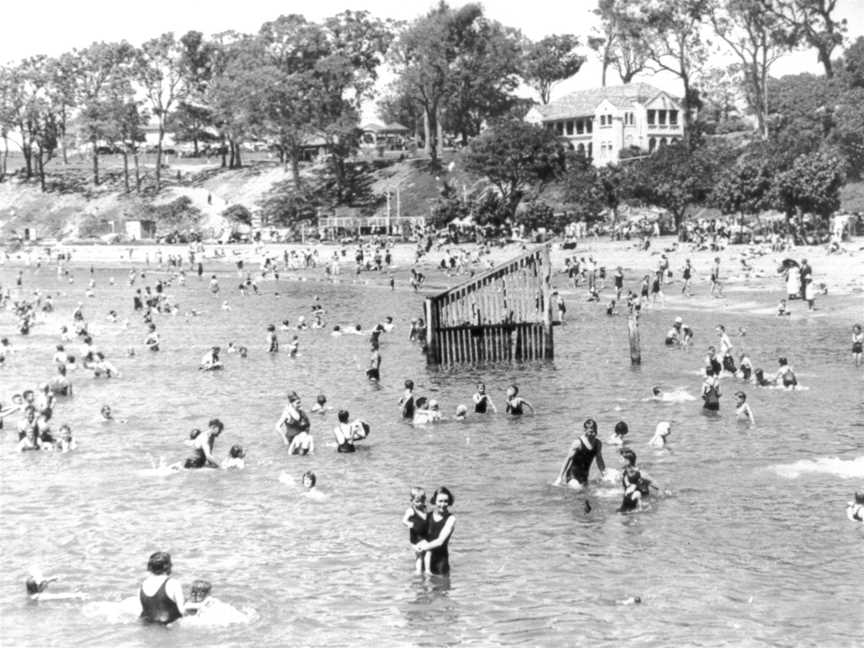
(845, 468)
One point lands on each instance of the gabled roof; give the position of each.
(584, 102)
(393, 127)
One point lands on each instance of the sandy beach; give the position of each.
(755, 289)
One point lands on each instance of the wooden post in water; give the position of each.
(633, 331)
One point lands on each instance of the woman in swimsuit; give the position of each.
(482, 401)
(515, 403)
(439, 528)
(585, 450)
(161, 596)
(857, 344)
(785, 376)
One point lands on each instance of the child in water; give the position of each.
(236, 458)
(742, 409)
(621, 430)
(302, 444)
(663, 430)
(636, 485)
(515, 403)
(415, 520)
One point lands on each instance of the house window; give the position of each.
(580, 127)
(589, 128)
(652, 144)
(602, 120)
(590, 149)
(673, 117)
(629, 119)
(569, 127)
(661, 114)
(652, 117)
(559, 127)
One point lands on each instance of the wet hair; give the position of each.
(621, 428)
(219, 425)
(782, 361)
(741, 395)
(590, 424)
(409, 384)
(656, 390)
(159, 563)
(33, 587)
(421, 402)
(271, 327)
(443, 490)
(859, 497)
(418, 494)
(200, 589)
(342, 415)
(321, 399)
(237, 451)
(311, 476)
(628, 455)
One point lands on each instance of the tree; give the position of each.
(102, 69)
(426, 57)
(238, 213)
(670, 33)
(619, 40)
(515, 156)
(754, 35)
(853, 64)
(746, 188)
(551, 60)
(160, 73)
(193, 117)
(719, 90)
(812, 185)
(812, 21)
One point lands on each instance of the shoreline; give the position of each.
(841, 273)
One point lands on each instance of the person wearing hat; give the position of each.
(161, 596)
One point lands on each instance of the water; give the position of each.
(745, 551)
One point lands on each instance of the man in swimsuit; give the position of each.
(585, 450)
(161, 596)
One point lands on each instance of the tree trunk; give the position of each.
(238, 160)
(230, 154)
(439, 135)
(295, 167)
(40, 163)
(126, 169)
(63, 139)
(137, 172)
(95, 162)
(4, 158)
(159, 153)
(224, 151)
(195, 146)
(427, 142)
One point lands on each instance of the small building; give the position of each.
(392, 135)
(138, 230)
(601, 122)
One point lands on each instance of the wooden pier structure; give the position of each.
(501, 315)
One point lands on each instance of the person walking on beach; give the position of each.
(687, 273)
(716, 286)
(857, 344)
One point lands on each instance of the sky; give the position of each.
(55, 26)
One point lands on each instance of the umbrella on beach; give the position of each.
(786, 264)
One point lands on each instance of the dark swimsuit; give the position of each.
(158, 608)
(439, 558)
(418, 528)
(200, 459)
(711, 399)
(408, 408)
(580, 464)
(480, 405)
(514, 409)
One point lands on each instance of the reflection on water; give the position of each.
(739, 553)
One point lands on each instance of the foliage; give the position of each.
(619, 39)
(746, 188)
(238, 214)
(516, 157)
(812, 21)
(812, 185)
(287, 205)
(550, 60)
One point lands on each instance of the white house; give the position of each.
(601, 122)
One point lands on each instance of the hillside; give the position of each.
(79, 207)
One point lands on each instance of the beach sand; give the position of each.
(744, 290)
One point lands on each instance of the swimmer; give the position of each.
(461, 412)
(293, 419)
(656, 394)
(621, 430)
(785, 376)
(236, 458)
(198, 597)
(427, 412)
(65, 442)
(272, 340)
(742, 408)
(293, 347)
(636, 485)
(415, 519)
(36, 584)
(760, 380)
(711, 393)
(202, 444)
(343, 434)
(855, 508)
(857, 344)
(152, 339)
(161, 596)
(320, 407)
(225, 305)
(210, 361)
(406, 403)
(515, 404)
(587, 449)
(482, 401)
(663, 430)
(311, 491)
(745, 367)
(373, 373)
(302, 444)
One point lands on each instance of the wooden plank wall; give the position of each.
(503, 315)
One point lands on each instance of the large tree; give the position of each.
(755, 36)
(551, 60)
(812, 185)
(516, 157)
(619, 40)
(159, 71)
(813, 21)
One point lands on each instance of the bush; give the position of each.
(238, 214)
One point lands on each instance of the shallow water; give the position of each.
(745, 550)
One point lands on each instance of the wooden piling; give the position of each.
(633, 331)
